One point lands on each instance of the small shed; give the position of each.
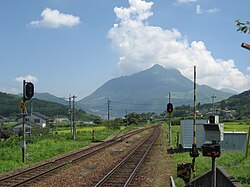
(234, 141)
(186, 139)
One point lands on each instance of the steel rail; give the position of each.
(150, 140)
(55, 164)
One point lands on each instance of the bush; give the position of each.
(113, 124)
(5, 134)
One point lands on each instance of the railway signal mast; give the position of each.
(28, 92)
(170, 111)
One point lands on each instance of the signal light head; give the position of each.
(29, 91)
(169, 108)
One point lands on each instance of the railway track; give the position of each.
(30, 175)
(124, 172)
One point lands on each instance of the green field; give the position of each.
(47, 146)
(233, 162)
(236, 126)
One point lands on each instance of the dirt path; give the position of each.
(157, 167)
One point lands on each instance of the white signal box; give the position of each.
(214, 132)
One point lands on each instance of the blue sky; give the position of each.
(74, 46)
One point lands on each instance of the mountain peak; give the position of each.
(160, 70)
(157, 66)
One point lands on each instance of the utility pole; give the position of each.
(70, 116)
(126, 117)
(213, 97)
(74, 118)
(109, 109)
(169, 125)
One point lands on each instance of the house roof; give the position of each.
(40, 115)
(27, 123)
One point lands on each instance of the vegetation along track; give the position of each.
(123, 173)
(31, 174)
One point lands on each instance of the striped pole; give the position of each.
(194, 140)
(194, 152)
(194, 125)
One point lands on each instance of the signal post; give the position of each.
(28, 92)
(170, 111)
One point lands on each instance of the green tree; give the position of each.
(97, 121)
(114, 123)
(243, 27)
(133, 118)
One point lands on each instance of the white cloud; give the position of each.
(137, 12)
(140, 45)
(185, 1)
(28, 78)
(9, 88)
(248, 70)
(55, 19)
(199, 10)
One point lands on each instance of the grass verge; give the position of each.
(234, 162)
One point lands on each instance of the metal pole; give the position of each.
(126, 117)
(194, 149)
(213, 172)
(248, 137)
(194, 138)
(70, 115)
(23, 118)
(108, 109)
(169, 125)
(74, 118)
(169, 129)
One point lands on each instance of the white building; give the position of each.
(36, 119)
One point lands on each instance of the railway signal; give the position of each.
(170, 108)
(28, 91)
